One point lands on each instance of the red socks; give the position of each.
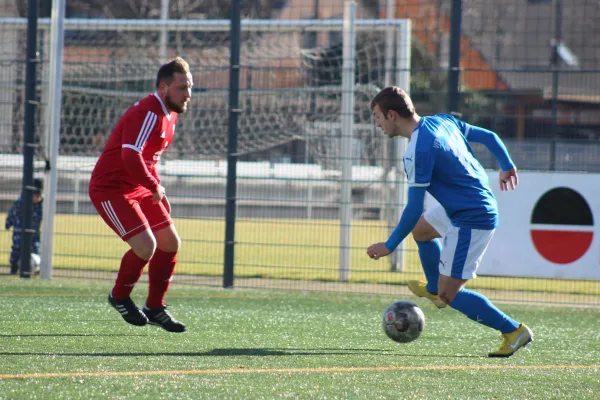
(130, 272)
(160, 273)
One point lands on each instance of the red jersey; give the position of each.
(134, 147)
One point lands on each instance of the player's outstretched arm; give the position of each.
(410, 216)
(493, 143)
(508, 178)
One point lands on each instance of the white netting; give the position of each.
(13, 50)
(289, 90)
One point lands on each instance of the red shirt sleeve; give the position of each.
(137, 129)
(136, 167)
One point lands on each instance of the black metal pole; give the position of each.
(29, 145)
(313, 45)
(234, 111)
(555, 75)
(313, 39)
(454, 71)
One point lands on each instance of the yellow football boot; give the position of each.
(419, 289)
(513, 341)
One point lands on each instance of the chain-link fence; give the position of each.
(529, 71)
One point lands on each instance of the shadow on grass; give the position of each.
(69, 335)
(247, 352)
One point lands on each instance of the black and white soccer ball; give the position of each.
(35, 263)
(403, 321)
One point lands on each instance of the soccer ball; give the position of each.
(403, 321)
(36, 260)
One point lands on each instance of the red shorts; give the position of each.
(132, 212)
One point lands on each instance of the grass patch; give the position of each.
(59, 339)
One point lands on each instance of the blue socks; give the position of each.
(430, 252)
(474, 305)
(478, 308)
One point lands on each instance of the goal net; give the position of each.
(290, 83)
(291, 74)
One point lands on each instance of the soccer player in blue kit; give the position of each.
(439, 160)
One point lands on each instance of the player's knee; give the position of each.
(145, 250)
(417, 235)
(168, 240)
(423, 232)
(174, 244)
(143, 244)
(423, 236)
(145, 253)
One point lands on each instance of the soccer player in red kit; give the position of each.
(126, 191)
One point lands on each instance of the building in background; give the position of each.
(507, 56)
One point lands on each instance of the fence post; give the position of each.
(57, 28)
(76, 185)
(31, 104)
(555, 62)
(309, 195)
(388, 208)
(234, 111)
(403, 57)
(454, 72)
(347, 134)
(163, 52)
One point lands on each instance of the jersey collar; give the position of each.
(416, 131)
(155, 94)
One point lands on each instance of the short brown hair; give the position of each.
(168, 70)
(395, 99)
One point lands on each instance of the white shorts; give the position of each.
(463, 248)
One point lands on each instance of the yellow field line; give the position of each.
(49, 294)
(295, 370)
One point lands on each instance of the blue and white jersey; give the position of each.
(438, 157)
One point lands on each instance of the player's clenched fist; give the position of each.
(377, 250)
(159, 194)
